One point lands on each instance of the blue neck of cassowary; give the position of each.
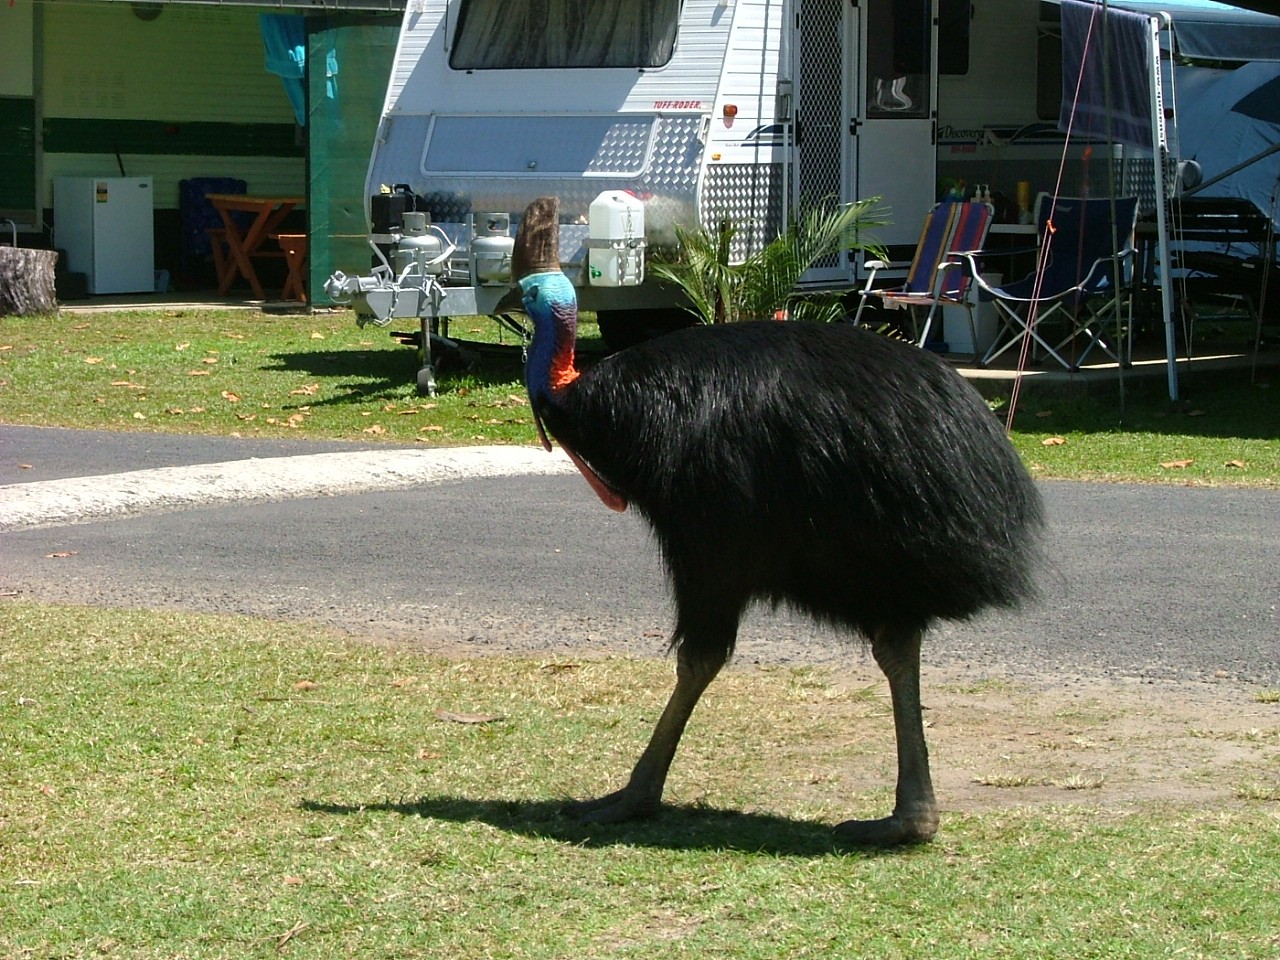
(552, 305)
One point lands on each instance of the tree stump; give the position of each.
(26, 281)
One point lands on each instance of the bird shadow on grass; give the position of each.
(674, 828)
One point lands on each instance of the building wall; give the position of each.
(183, 95)
(17, 109)
(16, 48)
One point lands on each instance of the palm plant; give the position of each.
(720, 292)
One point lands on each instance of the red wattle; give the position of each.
(608, 496)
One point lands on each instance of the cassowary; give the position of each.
(852, 477)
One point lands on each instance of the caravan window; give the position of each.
(541, 34)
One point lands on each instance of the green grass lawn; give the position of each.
(318, 376)
(204, 787)
(245, 373)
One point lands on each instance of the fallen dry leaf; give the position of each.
(375, 429)
(175, 411)
(1053, 441)
(1177, 464)
(305, 685)
(139, 415)
(209, 360)
(181, 346)
(559, 667)
(430, 755)
(451, 717)
(317, 335)
(310, 390)
(230, 397)
(93, 359)
(403, 681)
(430, 426)
(1236, 464)
(198, 373)
(60, 554)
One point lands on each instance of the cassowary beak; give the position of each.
(542, 431)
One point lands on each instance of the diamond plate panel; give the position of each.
(751, 196)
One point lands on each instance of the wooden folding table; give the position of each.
(244, 245)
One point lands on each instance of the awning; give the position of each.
(1208, 30)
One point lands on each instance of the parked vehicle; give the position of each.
(688, 112)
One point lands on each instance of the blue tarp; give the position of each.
(1224, 118)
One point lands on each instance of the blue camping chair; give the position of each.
(1083, 276)
(935, 277)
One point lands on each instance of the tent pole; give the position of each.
(1160, 153)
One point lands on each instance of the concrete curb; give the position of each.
(86, 499)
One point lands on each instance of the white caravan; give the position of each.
(701, 109)
(667, 112)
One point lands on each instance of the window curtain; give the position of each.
(533, 34)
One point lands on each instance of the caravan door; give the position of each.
(894, 128)
(865, 114)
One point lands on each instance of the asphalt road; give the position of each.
(1151, 582)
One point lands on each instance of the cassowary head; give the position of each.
(551, 304)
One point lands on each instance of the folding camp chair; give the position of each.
(936, 277)
(1084, 271)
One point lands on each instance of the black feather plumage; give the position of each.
(859, 479)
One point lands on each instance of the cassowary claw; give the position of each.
(617, 807)
(891, 831)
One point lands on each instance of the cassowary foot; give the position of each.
(888, 831)
(617, 807)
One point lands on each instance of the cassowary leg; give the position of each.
(915, 812)
(643, 793)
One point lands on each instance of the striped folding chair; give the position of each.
(935, 277)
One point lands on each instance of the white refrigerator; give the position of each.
(106, 227)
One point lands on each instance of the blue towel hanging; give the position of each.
(284, 39)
